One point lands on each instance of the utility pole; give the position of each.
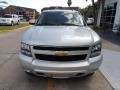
(69, 3)
(94, 11)
(34, 14)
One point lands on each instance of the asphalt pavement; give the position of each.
(12, 76)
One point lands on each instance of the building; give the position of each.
(109, 14)
(23, 12)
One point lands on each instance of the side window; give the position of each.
(79, 19)
(70, 17)
(16, 16)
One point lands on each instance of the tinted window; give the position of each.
(60, 18)
(7, 16)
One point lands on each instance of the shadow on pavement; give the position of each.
(111, 37)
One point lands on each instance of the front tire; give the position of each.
(18, 22)
(12, 23)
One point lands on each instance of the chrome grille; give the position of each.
(60, 58)
(48, 53)
(60, 48)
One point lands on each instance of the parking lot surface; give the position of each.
(12, 76)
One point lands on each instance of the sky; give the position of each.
(39, 4)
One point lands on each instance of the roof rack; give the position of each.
(63, 8)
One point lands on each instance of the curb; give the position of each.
(110, 68)
(106, 79)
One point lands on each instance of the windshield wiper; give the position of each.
(58, 24)
(46, 24)
(70, 24)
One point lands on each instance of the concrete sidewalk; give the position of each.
(111, 68)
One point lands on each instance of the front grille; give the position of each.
(60, 48)
(60, 58)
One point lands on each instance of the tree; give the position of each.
(2, 2)
(2, 6)
(95, 10)
(88, 11)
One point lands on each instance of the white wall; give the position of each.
(117, 16)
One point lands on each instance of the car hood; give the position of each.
(58, 36)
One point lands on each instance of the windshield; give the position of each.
(60, 18)
(7, 16)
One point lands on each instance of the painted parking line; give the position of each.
(50, 84)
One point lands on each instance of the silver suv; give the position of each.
(60, 45)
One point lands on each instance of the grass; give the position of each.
(8, 28)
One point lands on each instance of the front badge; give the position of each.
(60, 53)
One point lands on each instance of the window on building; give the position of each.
(108, 15)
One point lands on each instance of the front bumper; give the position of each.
(60, 69)
(5, 23)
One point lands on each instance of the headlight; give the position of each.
(96, 50)
(25, 49)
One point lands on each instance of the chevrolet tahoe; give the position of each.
(60, 45)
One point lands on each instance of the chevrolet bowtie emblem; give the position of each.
(60, 53)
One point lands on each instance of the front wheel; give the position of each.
(18, 22)
(12, 23)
